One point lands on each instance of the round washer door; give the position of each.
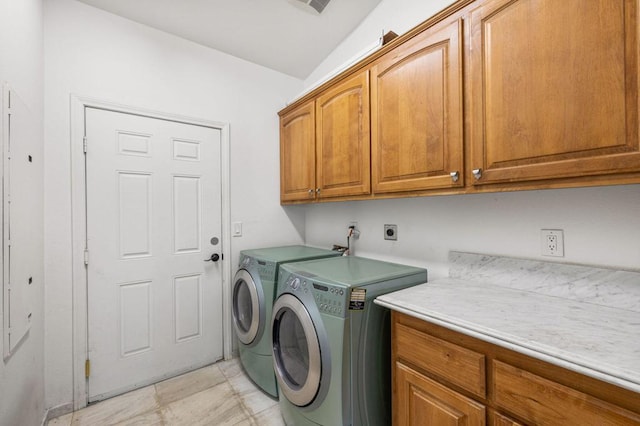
(296, 351)
(248, 317)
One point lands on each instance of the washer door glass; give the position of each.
(246, 307)
(296, 351)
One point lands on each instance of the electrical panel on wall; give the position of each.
(17, 214)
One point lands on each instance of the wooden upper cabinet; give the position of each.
(297, 154)
(342, 138)
(416, 113)
(554, 89)
(488, 95)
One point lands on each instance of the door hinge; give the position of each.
(84, 144)
(86, 256)
(8, 104)
(87, 369)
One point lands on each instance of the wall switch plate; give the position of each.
(236, 229)
(552, 242)
(391, 232)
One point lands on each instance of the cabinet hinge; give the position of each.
(86, 256)
(87, 369)
(84, 144)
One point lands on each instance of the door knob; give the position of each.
(214, 258)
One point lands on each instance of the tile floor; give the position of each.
(220, 394)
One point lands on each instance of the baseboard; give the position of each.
(58, 411)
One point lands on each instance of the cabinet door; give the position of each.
(419, 400)
(416, 113)
(544, 402)
(342, 138)
(497, 419)
(297, 154)
(554, 90)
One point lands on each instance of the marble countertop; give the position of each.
(595, 338)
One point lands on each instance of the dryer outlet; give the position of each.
(391, 232)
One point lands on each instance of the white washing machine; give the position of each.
(254, 288)
(331, 343)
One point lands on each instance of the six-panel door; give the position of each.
(153, 217)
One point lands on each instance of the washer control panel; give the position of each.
(330, 299)
(266, 270)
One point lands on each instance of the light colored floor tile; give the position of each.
(254, 399)
(153, 418)
(220, 394)
(214, 406)
(247, 422)
(118, 409)
(269, 417)
(61, 421)
(231, 367)
(187, 384)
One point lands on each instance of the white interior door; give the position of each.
(153, 217)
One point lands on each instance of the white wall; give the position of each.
(92, 53)
(601, 225)
(398, 16)
(21, 66)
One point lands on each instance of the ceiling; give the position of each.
(284, 35)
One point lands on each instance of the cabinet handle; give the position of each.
(477, 173)
(310, 192)
(454, 176)
(317, 190)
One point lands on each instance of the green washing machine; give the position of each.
(254, 289)
(331, 343)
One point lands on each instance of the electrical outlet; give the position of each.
(391, 232)
(552, 242)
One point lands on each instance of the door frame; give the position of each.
(79, 229)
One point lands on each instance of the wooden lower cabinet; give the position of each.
(542, 401)
(440, 377)
(497, 419)
(423, 401)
